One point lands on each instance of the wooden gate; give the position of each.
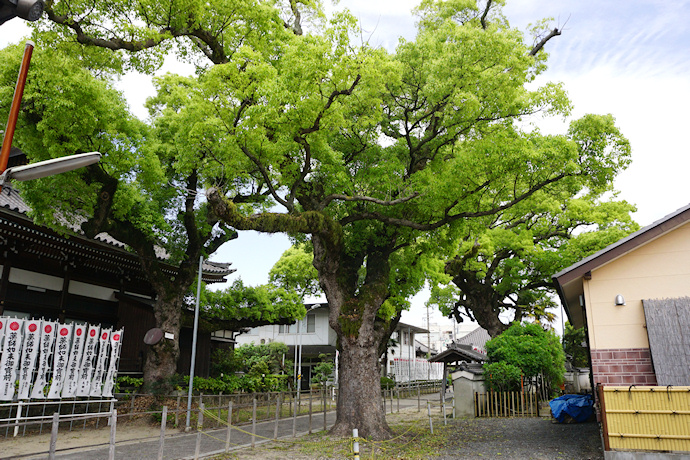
(506, 404)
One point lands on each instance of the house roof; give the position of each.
(456, 353)
(416, 329)
(419, 346)
(401, 326)
(14, 212)
(624, 245)
(477, 338)
(567, 280)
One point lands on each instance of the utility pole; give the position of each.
(428, 343)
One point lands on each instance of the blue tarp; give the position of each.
(578, 407)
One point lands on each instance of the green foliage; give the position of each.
(263, 359)
(573, 340)
(128, 384)
(323, 370)
(387, 383)
(228, 384)
(248, 306)
(505, 262)
(501, 376)
(224, 362)
(531, 349)
(383, 160)
(294, 271)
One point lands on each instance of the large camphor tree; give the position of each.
(500, 266)
(140, 193)
(370, 155)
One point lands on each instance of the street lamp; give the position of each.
(42, 168)
(49, 167)
(30, 10)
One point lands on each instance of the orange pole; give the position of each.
(14, 109)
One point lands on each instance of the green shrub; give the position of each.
(224, 362)
(227, 384)
(502, 376)
(572, 343)
(322, 371)
(530, 348)
(128, 384)
(387, 383)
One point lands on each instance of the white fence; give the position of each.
(406, 370)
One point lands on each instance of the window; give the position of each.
(287, 329)
(311, 323)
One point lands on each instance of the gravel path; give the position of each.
(523, 438)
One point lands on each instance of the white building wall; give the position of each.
(322, 335)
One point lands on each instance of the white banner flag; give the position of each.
(88, 361)
(10, 358)
(60, 357)
(69, 388)
(97, 382)
(32, 342)
(47, 341)
(115, 348)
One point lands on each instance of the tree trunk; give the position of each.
(359, 392)
(488, 318)
(161, 359)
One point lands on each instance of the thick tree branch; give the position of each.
(486, 12)
(266, 177)
(297, 26)
(331, 99)
(555, 32)
(308, 222)
(214, 51)
(326, 201)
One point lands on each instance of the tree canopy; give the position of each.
(294, 271)
(143, 193)
(504, 263)
(238, 306)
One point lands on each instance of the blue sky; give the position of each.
(628, 58)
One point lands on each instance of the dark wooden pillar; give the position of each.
(64, 296)
(5, 281)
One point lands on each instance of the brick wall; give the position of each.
(623, 366)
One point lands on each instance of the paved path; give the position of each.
(182, 445)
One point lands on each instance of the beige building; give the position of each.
(633, 298)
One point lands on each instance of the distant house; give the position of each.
(633, 299)
(76, 279)
(316, 337)
(423, 351)
(476, 339)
